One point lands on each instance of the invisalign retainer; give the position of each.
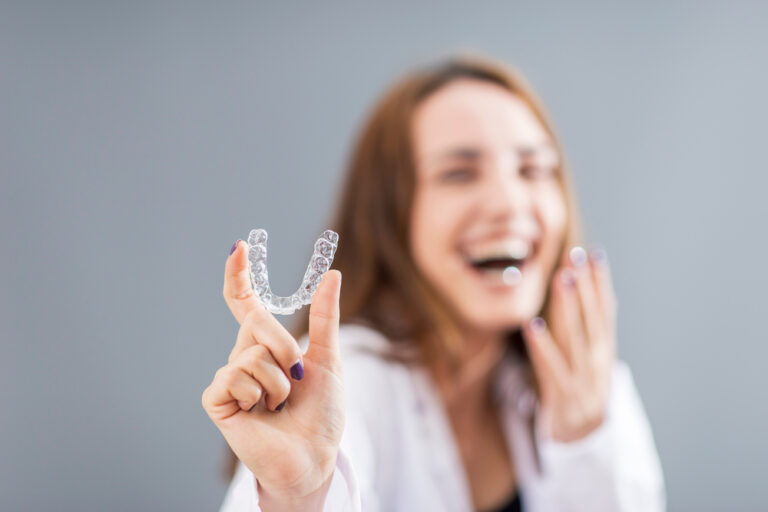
(322, 257)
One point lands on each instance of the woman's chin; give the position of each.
(488, 305)
(500, 315)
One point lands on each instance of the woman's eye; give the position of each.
(536, 171)
(461, 175)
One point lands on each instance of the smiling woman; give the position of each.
(415, 165)
(478, 337)
(485, 194)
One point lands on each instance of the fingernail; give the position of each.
(538, 324)
(280, 407)
(598, 255)
(297, 371)
(578, 256)
(567, 277)
(234, 246)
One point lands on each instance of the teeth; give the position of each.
(516, 248)
(510, 276)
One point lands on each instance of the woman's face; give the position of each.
(487, 198)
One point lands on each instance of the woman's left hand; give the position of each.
(573, 357)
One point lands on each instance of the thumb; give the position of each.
(324, 321)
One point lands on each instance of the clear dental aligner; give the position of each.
(322, 257)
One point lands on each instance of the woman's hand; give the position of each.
(281, 413)
(573, 359)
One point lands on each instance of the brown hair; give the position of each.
(382, 285)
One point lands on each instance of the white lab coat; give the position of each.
(398, 452)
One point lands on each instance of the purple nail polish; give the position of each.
(598, 255)
(538, 324)
(297, 371)
(280, 407)
(234, 246)
(578, 256)
(567, 277)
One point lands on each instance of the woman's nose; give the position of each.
(506, 193)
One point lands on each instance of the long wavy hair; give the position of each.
(383, 287)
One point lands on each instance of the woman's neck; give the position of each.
(467, 389)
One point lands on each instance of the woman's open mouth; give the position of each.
(501, 263)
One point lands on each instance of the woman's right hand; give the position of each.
(283, 426)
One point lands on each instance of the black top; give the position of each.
(513, 505)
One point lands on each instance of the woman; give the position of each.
(466, 385)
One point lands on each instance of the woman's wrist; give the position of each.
(280, 502)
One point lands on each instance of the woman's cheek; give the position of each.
(552, 212)
(430, 236)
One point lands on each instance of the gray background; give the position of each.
(139, 140)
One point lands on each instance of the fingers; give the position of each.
(606, 296)
(260, 327)
(258, 363)
(232, 389)
(606, 299)
(591, 314)
(567, 331)
(237, 283)
(252, 376)
(549, 365)
(324, 320)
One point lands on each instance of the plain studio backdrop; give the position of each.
(138, 140)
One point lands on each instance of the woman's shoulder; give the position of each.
(625, 398)
(355, 337)
(622, 380)
(368, 365)
(359, 342)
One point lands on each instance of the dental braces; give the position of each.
(322, 257)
